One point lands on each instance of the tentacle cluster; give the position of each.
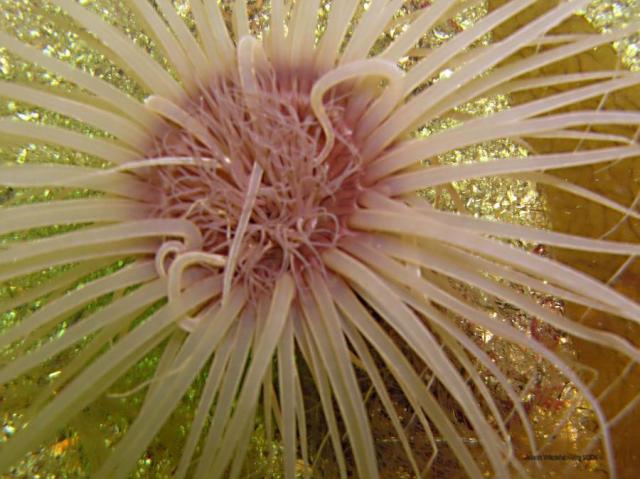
(310, 172)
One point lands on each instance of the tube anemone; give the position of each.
(266, 204)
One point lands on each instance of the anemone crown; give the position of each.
(275, 253)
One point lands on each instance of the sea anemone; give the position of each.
(273, 222)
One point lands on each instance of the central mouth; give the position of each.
(267, 169)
